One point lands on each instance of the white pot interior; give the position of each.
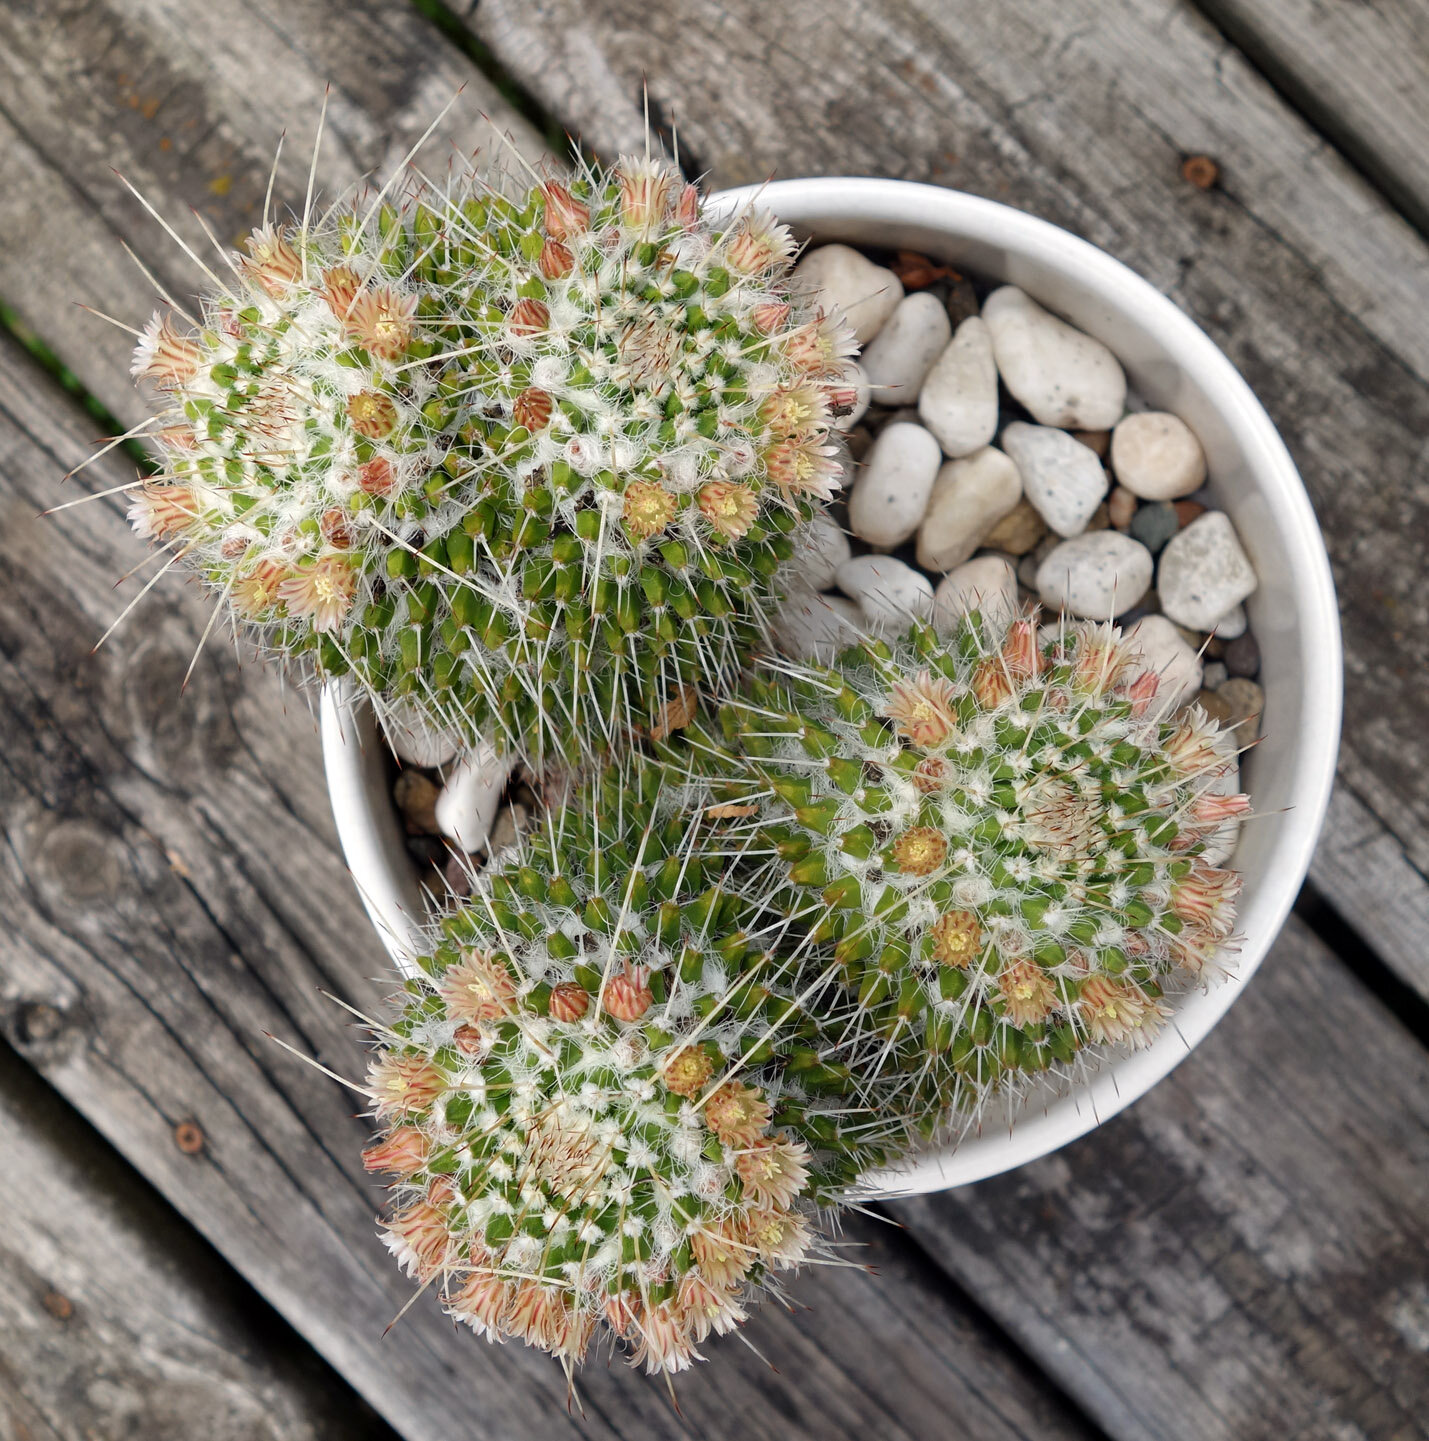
(1172, 365)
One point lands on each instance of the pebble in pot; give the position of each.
(1095, 576)
(987, 584)
(897, 361)
(1166, 654)
(1231, 626)
(1154, 524)
(969, 497)
(812, 627)
(1061, 375)
(958, 402)
(1204, 572)
(1018, 531)
(839, 278)
(889, 500)
(1061, 477)
(889, 592)
(468, 803)
(819, 549)
(415, 739)
(1155, 456)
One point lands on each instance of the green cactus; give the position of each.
(1007, 842)
(526, 460)
(618, 1091)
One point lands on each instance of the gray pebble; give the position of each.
(1214, 674)
(1154, 524)
(1242, 656)
(1244, 701)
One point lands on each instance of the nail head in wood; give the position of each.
(188, 1137)
(1201, 171)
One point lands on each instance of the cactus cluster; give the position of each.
(529, 457)
(617, 1092)
(524, 462)
(1006, 834)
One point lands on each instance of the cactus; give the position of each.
(617, 1093)
(528, 458)
(1005, 837)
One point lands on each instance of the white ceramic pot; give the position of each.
(1173, 366)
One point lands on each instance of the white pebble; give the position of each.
(1163, 651)
(839, 278)
(1204, 572)
(1231, 626)
(890, 593)
(819, 549)
(1061, 477)
(812, 627)
(914, 337)
(987, 584)
(969, 497)
(469, 800)
(1155, 456)
(1060, 374)
(1095, 576)
(415, 739)
(959, 399)
(889, 500)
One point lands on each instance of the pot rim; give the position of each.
(860, 211)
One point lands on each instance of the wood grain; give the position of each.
(1358, 71)
(172, 891)
(116, 1320)
(1244, 1254)
(188, 102)
(1082, 112)
(1362, 871)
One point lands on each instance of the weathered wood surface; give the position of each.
(188, 102)
(1245, 1252)
(1356, 70)
(1238, 1254)
(171, 890)
(1362, 871)
(1082, 112)
(115, 1320)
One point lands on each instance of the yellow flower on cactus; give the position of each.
(648, 509)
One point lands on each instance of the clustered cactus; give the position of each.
(528, 458)
(525, 461)
(615, 1096)
(1005, 832)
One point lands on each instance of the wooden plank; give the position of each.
(113, 1315)
(1245, 1252)
(172, 890)
(1359, 72)
(1363, 872)
(1082, 112)
(188, 101)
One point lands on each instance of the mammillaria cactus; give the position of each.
(1005, 833)
(606, 1102)
(530, 458)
